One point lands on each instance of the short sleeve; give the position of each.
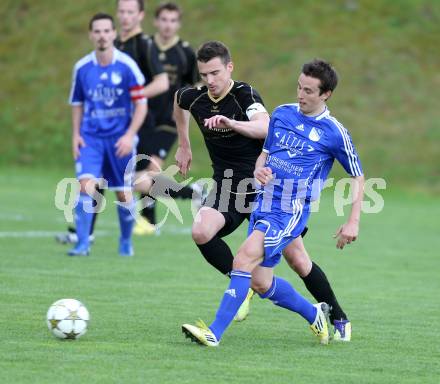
(250, 100)
(136, 81)
(191, 76)
(185, 97)
(344, 151)
(135, 75)
(76, 92)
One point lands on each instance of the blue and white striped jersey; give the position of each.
(106, 93)
(301, 150)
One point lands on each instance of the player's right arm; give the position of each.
(262, 174)
(77, 140)
(183, 154)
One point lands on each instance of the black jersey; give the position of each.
(227, 148)
(141, 48)
(179, 61)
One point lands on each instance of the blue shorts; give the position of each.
(98, 159)
(279, 227)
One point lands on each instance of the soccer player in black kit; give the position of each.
(233, 120)
(179, 61)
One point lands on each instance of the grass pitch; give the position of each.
(387, 282)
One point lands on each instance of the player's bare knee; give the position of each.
(260, 286)
(87, 186)
(240, 263)
(244, 260)
(143, 182)
(200, 234)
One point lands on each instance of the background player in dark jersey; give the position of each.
(179, 61)
(141, 47)
(233, 121)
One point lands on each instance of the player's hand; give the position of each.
(183, 159)
(124, 145)
(346, 234)
(263, 175)
(219, 121)
(77, 143)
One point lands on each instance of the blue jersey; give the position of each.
(106, 93)
(301, 150)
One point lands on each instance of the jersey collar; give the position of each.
(170, 44)
(222, 96)
(114, 56)
(133, 33)
(318, 117)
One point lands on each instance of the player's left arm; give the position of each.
(255, 128)
(349, 231)
(345, 152)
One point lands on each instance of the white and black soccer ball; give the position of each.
(67, 319)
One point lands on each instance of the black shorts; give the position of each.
(155, 140)
(234, 208)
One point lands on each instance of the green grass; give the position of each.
(387, 282)
(386, 53)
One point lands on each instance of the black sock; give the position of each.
(184, 193)
(96, 204)
(218, 254)
(318, 285)
(92, 228)
(149, 212)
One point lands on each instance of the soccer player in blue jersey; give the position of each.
(108, 108)
(302, 143)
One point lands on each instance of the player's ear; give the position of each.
(114, 34)
(230, 66)
(326, 95)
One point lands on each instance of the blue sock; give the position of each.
(83, 218)
(126, 219)
(232, 299)
(281, 293)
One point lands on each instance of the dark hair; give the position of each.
(322, 70)
(213, 49)
(167, 6)
(141, 5)
(101, 16)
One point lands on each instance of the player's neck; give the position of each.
(164, 42)
(104, 58)
(125, 35)
(317, 111)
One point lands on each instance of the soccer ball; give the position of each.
(67, 319)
